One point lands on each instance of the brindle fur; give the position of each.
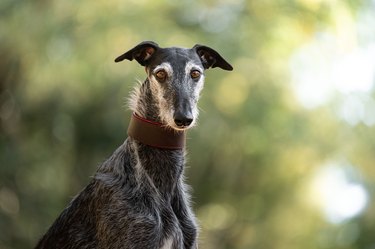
(137, 198)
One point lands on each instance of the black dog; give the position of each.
(137, 198)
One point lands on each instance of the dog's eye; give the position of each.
(161, 75)
(195, 74)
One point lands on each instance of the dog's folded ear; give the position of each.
(141, 53)
(211, 58)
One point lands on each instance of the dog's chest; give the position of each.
(161, 173)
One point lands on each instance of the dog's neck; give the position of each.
(166, 175)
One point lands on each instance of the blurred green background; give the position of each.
(283, 155)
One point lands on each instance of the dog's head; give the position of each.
(176, 77)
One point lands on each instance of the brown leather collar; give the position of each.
(155, 134)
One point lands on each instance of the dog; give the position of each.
(138, 198)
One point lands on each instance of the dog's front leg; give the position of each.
(182, 209)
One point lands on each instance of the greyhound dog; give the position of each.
(138, 199)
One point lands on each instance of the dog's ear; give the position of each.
(141, 53)
(211, 58)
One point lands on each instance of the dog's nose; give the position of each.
(183, 120)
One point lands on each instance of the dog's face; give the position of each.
(176, 77)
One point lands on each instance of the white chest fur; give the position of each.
(167, 244)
